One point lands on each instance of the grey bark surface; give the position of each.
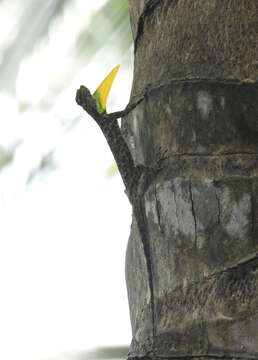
(196, 64)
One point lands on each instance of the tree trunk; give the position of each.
(196, 63)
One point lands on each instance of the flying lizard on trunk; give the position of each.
(136, 178)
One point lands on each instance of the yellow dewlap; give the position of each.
(102, 91)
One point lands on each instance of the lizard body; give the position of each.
(136, 178)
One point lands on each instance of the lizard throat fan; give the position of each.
(102, 91)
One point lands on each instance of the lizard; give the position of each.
(136, 178)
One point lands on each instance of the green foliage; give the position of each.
(109, 27)
(5, 157)
(112, 170)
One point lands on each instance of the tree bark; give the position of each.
(196, 64)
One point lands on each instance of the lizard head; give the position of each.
(85, 99)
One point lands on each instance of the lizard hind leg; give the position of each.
(160, 159)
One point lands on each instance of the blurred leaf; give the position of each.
(5, 157)
(34, 23)
(112, 170)
(109, 27)
(46, 165)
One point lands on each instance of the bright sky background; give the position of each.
(63, 234)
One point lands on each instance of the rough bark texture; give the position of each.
(196, 62)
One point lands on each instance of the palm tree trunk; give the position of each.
(196, 295)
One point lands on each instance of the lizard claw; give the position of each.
(160, 157)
